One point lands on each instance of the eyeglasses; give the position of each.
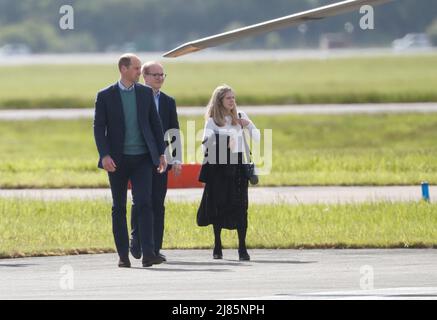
(157, 75)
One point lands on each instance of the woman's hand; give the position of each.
(243, 122)
(231, 143)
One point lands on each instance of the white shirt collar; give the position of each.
(123, 88)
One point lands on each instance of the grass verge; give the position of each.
(42, 228)
(383, 149)
(345, 80)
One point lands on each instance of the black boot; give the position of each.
(243, 255)
(217, 253)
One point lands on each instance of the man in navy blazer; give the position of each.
(129, 139)
(154, 76)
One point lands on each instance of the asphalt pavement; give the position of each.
(287, 195)
(376, 108)
(193, 274)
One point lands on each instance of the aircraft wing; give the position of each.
(267, 26)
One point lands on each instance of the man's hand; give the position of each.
(177, 169)
(162, 164)
(108, 164)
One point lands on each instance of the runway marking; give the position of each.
(401, 293)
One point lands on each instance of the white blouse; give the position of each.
(235, 132)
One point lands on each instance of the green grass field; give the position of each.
(397, 149)
(347, 80)
(30, 228)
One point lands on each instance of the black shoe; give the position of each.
(243, 255)
(124, 263)
(217, 254)
(152, 260)
(164, 258)
(135, 248)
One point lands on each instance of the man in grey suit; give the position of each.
(129, 139)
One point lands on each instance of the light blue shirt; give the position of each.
(156, 96)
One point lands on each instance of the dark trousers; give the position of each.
(159, 191)
(138, 169)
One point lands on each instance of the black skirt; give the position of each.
(225, 198)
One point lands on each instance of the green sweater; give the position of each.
(133, 139)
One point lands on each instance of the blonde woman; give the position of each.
(225, 201)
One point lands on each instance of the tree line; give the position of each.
(159, 25)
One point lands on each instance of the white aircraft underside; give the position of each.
(271, 25)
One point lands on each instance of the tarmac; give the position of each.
(286, 195)
(193, 275)
(212, 55)
(332, 109)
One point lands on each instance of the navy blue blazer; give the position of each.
(109, 127)
(169, 120)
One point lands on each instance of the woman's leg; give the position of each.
(242, 251)
(217, 253)
(242, 238)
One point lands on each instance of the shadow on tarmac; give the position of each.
(230, 263)
(181, 270)
(282, 261)
(16, 265)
